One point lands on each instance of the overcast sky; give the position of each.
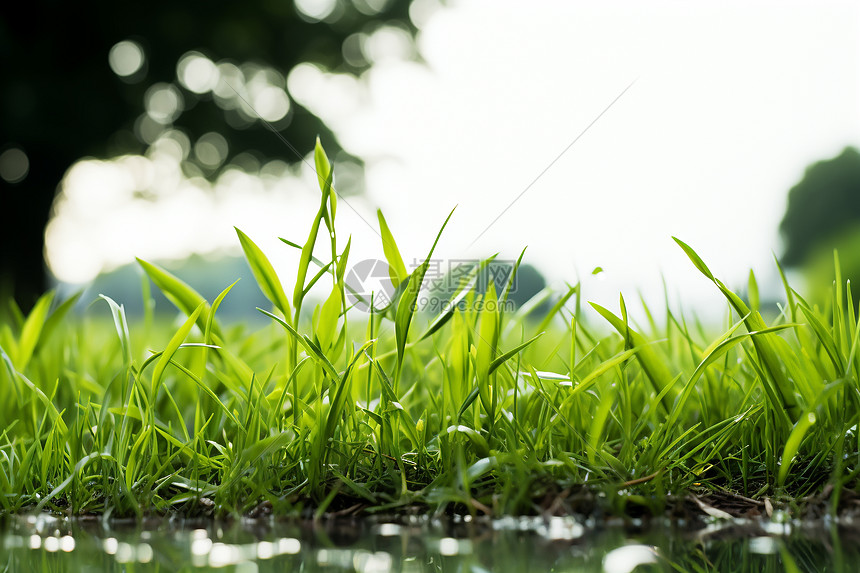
(729, 103)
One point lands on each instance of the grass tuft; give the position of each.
(470, 408)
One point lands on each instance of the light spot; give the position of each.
(211, 149)
(365, 562)
(147, 129)
(201, 546)
(265, 550)
(388, 43)
(763, 545)
(289, 546)
(197, 73)
(449, 546)
(51, 544)
(626, 559)
(124, 553)
(370, 7)
(315, 9)
(271, 103)
(231, 80)
(420, 11)
(388, 530)
(126, 58)
(353, 51)
(110, 545)
(67, 543)
(163, 102)
(558, 528)
(35, 541)
(223, 554)
(14, 165)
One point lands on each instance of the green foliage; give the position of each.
(257, 39)
(823, 214)
(823, 204)
(469, 405)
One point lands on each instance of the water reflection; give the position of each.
(417, 545)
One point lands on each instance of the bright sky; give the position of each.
(731, 102)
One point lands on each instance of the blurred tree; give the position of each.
(823, 213)
(825, 203)
(61, 101)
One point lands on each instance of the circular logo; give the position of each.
(367, 278)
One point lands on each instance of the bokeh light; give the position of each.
(163, 102)
(197, 73)
(667, 160)
(126, 58)
(211, 149)
(420, 11)
(14, 165)
(388, 43)
(353, 51)
(370, 7)
(315, 9)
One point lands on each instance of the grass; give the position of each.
(475, 408)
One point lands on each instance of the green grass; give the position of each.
(475, 408)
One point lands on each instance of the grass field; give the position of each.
(475, 408)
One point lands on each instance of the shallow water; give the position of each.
(45, 544)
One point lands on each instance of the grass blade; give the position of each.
(396, 267)
(265, 274)
(172, 346)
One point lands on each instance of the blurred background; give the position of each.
(591, 133)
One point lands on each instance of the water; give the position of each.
(45, 544)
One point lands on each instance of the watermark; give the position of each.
(369, 282)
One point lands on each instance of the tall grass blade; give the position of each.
(32, 330)
(396, 266)
(177, 339)
(265, 274)
(768, 353)
(652, 363)
(183, 297)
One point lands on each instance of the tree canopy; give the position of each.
(62, 98)
(823, 206)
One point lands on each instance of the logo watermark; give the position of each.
(370, 280)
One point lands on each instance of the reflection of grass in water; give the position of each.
(474, 409)
(422, 546)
